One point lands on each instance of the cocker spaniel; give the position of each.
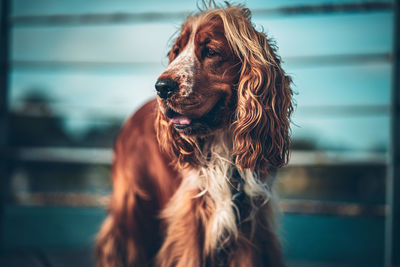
(193, 169)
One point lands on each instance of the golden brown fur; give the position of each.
(180, 161)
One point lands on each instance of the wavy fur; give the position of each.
(173, 202)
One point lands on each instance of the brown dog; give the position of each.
(193, 170)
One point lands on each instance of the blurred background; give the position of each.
(73, 71)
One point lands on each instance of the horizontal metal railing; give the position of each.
(104, 156)
(294, 206)
(292, 61)
(122, 17)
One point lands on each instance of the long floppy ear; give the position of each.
(262, 117)
(261, 126)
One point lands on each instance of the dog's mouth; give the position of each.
(194, 126)
(179, 121)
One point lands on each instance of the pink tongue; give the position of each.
(181, 120)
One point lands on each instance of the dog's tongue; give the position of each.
(181, 120)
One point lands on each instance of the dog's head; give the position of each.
(195, 91)
(223, 75)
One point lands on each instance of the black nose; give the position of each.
(166, 88)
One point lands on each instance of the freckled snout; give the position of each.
(166, 88)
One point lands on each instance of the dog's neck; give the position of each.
(217, 179)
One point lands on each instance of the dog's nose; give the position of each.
(166, 88)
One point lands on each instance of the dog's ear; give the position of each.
(262, 117)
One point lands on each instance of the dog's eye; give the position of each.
(208, 52)
(176, 51)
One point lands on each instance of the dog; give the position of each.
(193, 169)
